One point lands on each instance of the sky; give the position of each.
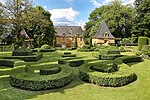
(72, 12)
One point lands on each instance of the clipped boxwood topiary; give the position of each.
(109, 56)
(22, 52)
(103, 68)
(69, 55)
(50, 70)
(142, 41)
(45, 46)
(122, 77)
(36, 82)
(71, 61)
(11, 62)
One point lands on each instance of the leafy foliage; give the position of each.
(117, 16)
(142, 18)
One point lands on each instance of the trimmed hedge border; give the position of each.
(109, 56)
(69, 55)
(47, 50)
(11, 62)
(37, 82)
(33, 57)
(85, 50)
(122, 77)
(50, 70)
(102, 68)
(71, 61)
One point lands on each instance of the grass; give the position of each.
(79, 90)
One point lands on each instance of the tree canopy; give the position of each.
(117, 16)
(141, 25)
(20, 14)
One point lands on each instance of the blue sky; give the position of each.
(72, 12)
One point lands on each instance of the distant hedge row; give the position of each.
(73, 62)
(123, 76)
(35, 81)
(11, 62)
(34, 57)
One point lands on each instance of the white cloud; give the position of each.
(128, 2)
(64, 16)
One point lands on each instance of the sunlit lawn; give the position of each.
(79, 90)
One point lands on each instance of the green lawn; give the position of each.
(79, 90)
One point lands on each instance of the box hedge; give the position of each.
(109, 56)
(11, 62)
(69, 55)
(142, 41)
(22, 52)
(71, 61)
(33, 57)
(50, 70)
(36, 82)
(123, 76)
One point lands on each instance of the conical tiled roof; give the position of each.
(103, 32)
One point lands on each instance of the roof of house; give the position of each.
(70, 31)
(103, 32)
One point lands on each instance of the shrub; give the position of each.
(75, 42)
(67, 52)
(50, 70)
(47, 50)
(142, 41)
(11, 62)
(122, 49)
(69, 55)
(71, 61)
(45, 46)
(123, 76)
(85, 46)
(109, 56)
(146, 49)
(22, 52)
(37, 82)
(34, 57)
(102, 68)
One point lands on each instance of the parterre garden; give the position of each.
(103, 73)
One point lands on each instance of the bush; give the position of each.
(11, 62)
(122, 49)
(47, 50)
(67, 52)
(45, 46)
(84, 50)
(142, 41)
(71, 61)
(50, 70)
(75, 42)
(22, 52)
(34, 57)
(69, 55)
(102, 68)
(85, 46)
(146, 49)
(36, 82)
(123, 76)
(109, 56)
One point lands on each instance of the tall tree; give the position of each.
(35, 20)
(117, 16)
(142, 18)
